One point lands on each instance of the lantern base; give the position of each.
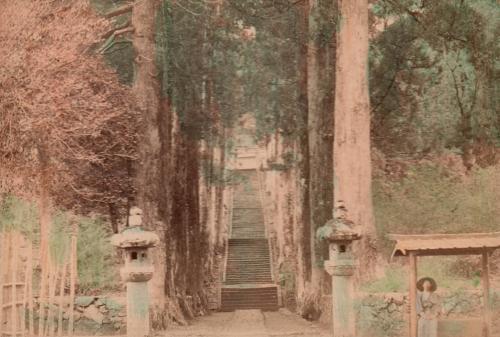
(137, 309)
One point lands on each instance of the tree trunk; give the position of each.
(352, 157)
(44, 206)
(147, 93)
(303, 234)
(320, 142)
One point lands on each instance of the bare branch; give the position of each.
(112, 31)
(124, 31)
(119, 11)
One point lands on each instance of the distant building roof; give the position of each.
(445, 244)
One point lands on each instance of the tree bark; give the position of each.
(352, 157)
(320, 142)
(146, 89)
(307, 305)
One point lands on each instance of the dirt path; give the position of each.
(250, 323)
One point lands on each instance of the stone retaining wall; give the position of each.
(100, 315)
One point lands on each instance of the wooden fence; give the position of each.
(36, 297)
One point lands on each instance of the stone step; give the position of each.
(247, 229)
(250, 223)
(247, 256)
(247, 242)
(247, 225)
(244, 265)
(236, 235)
(235, 273)
(237, 250)
(243, 300)
(247, 280)
(241, 273)
(238, 265)
(264, 298)
(247, 203)
(254, 236)
(248, 262)
(258, 261)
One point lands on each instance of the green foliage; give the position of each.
(324, 232)
(95, 253)
(458, 301)
(495, 301)
(16, 214)
(217, 175)
(431, 199)
(60, 237)
(104, 6)
(118, 51)
(395, 278)
(120, 56)
(378, 319)
(433, 72)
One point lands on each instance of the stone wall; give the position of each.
(385, 314)
(100, 315)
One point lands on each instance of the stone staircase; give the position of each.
(248, 282)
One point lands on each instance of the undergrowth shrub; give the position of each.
(377, 318)
(442, 269)
(96, 269)
(432, 199)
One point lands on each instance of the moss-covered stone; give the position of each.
(84, 301)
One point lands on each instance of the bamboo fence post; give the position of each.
(3, 252)
(31, 323)
(25, 297)
(41, 298)
(61, 297)
(13, 289)
(73, 270)
(52, 289)
(46, 303)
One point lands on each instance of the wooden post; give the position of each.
(31, 326)
(41, 297)
(54, 270)
(413, 295)
(486, 295)
(14, 257)
(3, 253)
(25, 296)
(73, 270)
(61, 300)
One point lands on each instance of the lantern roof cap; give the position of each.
(338, 230)
(135, 237)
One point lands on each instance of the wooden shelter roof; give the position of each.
(445, 244)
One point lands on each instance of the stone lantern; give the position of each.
(341, 266)
(137, 271)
